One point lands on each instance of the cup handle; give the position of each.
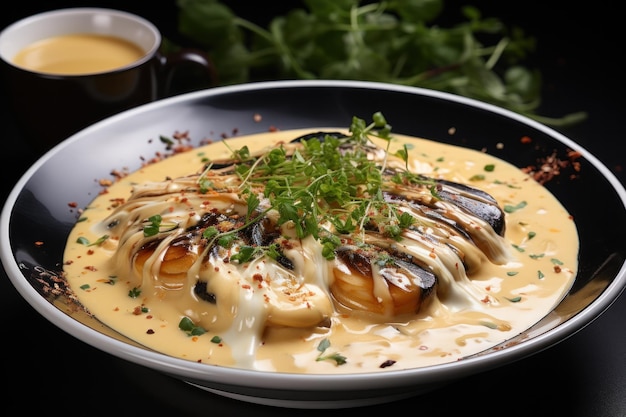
(185, 70)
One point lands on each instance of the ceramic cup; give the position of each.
(50, 106)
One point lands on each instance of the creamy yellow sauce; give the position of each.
(78, 54)
(493, 303)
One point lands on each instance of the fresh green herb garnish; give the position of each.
(322, 347)
(100, 240)
(166, 140)
(152, 228)
(84, 241)
(328, 181)
(154, 225)
(188, 326)
(400, 42)
(244, 255)
(111, 280)
(134, 292)
(509, 208)
(518, 248)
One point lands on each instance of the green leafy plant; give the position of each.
(395, 41)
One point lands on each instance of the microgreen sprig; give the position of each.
(326, 186)
(155, 225)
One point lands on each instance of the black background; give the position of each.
(580, 47)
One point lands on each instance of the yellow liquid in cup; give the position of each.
(78, 54)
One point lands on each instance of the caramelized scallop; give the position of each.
(175, 263)
(373, 281)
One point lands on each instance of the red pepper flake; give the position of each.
(180, 136)
(116, 202)
(206, 141)
(73, 204)
(118, 174)
(574, 155)
(557, 268)
(91, 268)
(552, 166)
(150, 331)
(526, 140)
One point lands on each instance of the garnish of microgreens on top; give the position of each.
(328, 187)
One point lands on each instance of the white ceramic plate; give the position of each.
(37, 210)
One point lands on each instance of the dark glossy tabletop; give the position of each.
(584, 375)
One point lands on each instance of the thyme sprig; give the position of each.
(326, 187)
